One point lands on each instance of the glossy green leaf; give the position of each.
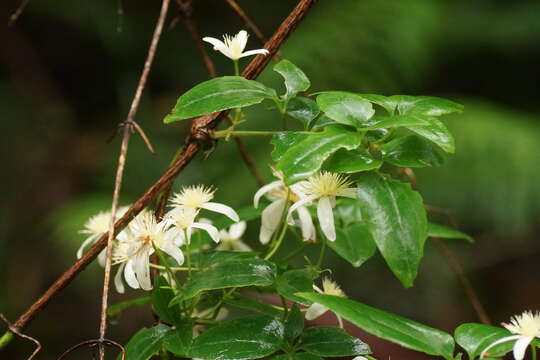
(346, 108)
(307, 156)
(411, 151)
(425, 105)
(294, 325)
(218, 94)
(351, 161)
(282, 141)
(383, 122)
(474, 338)
(208, 258)
(381, 100)
(293, 281)
(253, 304)
(297, 356)
(245, 338)
(396, 218)
(436, 132)
(354, 243)
(347, 212)
(303, 109)
(146, 342)
(321, 122)
(295, 79)
(178, 340)
(161, 297)
(248, 272)
(332, 341)
(117, 309)
(394, 328)
(441, 231)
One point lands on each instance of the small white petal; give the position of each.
(130, 276)
(219, 46)
(89, 240)
(118, 283)
(270, 219)
(141, 266)
(266, 188)
(326, 218)
(314, 311)
(173, 251)
(222, 209)
(317, 289)
(210, 229)
(500, 341)
(521, 346)
(339, 320)
(102, 257)
(306, 224)
(302, 202)
(242, 38)
(265, 235)
(237, 230)
(256, 51)
(239, 245)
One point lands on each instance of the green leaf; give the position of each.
(245, 338)
(252, 304)
(161, 297)
(293, 281)
(411, 151)
(295, 79)
(321, 122)
(346, 108)
(294, 325)
(178, 340)
(331, 341)
(436, 132)
(116, 309)
(383, 101)
(382, 122)
(440, 231)
(305, 158)
(396, 218)
(425, 105)
(208, 258)
(354, 243)
(474, 338)
(248, 272)
(351, 161)
(297, 356)
(218, 94)
(303, 109)
(282, 141)
(146, 342)
(394, 328)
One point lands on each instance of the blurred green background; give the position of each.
(67, 77)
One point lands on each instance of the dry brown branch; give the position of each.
(245, 17)
(199, 130)
(129, 125)
(14, 330)
(18, 12)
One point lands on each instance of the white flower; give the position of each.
(526, 328)
(231, 239)
(183, 218)
(316, 309)
(96, 226)
(271, 216)
(198, 197)
(136, 244)
(233, 46)
(323, 187)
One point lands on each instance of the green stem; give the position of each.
(295, 252)
(168, 269)
(188, 257)
(279, 241)
(174, 268)
(236, 68)
(533, 352)
(6, 339)
(321, 254)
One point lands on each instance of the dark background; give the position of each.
(67, 77)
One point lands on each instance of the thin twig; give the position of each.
(17, 13)
(200, 125)
(121, 165)
(94, 343)
(16, 331)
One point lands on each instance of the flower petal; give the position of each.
(256, 51)
(314, 311)
(89, 240)
(141, 266)
(270, 219)
(222, 209)
(241, 39)
(219, 46)
(130, 276)
(118, 283)
(174, 251)
(263, 190)
(302, 202)
(521, 346)
(500, 341)
(265, 235)
(210, 229)
(326, 218)
(237, 230)
(306, 224)
(102, 257)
